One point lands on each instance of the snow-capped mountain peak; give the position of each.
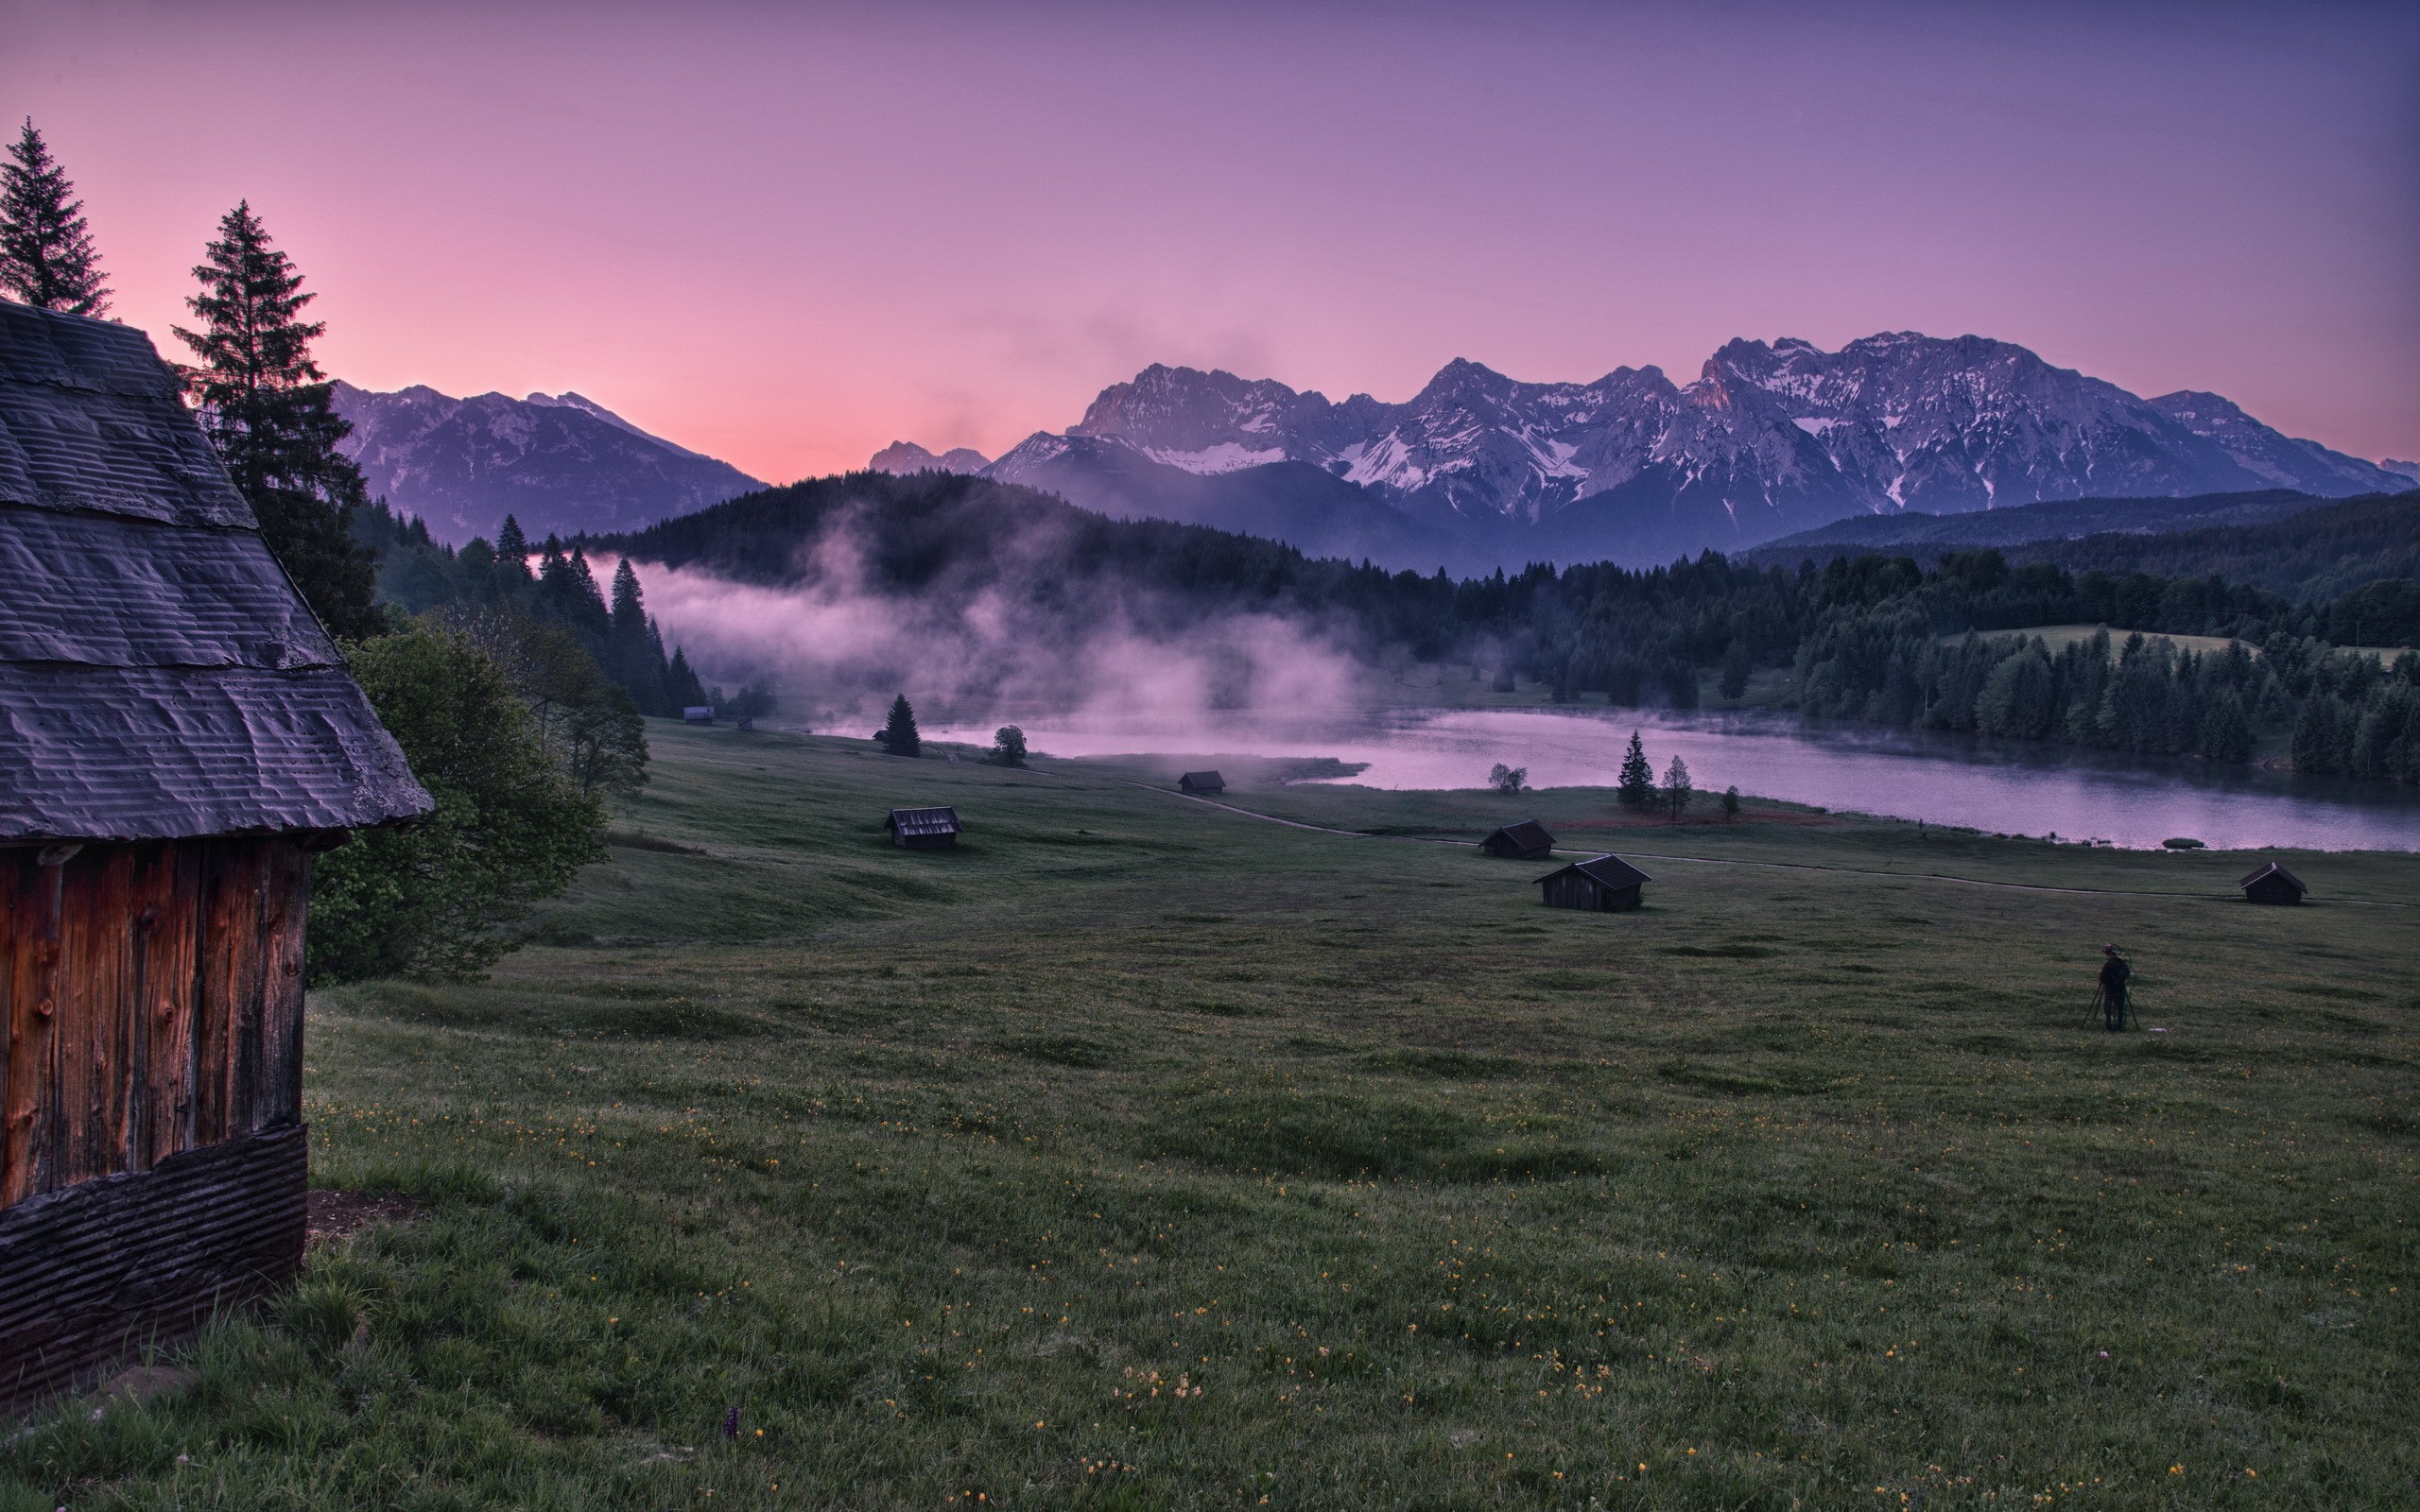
(1772, 437)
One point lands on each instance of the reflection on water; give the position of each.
(2005, 786)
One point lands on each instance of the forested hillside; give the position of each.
(1876, 638)
(417, 573)
(2323, 553)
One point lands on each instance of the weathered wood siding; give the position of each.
(91, 1273)
(153, 999)
(1574, 889)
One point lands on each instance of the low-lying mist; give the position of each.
(1021, 640)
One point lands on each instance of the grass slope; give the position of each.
(1143, 1155)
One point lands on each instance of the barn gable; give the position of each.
(1602, 884)
(1524, 841)
(178, 733)
(2273, 884)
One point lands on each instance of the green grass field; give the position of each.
(2059, 636)
(1143, 1155)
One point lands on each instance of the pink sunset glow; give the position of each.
(787, 235)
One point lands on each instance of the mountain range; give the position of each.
(559, 463)
(1473, 471)
(1771, 439)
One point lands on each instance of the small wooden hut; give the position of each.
(2273, 884)
(923, 829)
(178, 736)
(1200, 783)
(698, 713)
(1524, 841)
(1606, 884)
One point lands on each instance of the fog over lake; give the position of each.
(2001, 787)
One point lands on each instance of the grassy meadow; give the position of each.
(2059, 636)
(1144, 1155)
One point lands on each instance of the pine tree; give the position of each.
(266, 406)
(899, 735)
(47, 255)
(1636, 789)
(512, 551)
(681, 688)
(637, 662)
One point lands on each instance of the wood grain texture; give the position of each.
(29, 1124)
(285, 902)
(152, 999)
(96, 1011)
(167, 927)
(227, 1007)
(96, 1271)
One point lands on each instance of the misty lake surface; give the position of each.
(1996, 786)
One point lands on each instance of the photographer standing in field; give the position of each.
(2116, 971)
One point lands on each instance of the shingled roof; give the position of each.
(160, 677)
(921, 823)
(1611, 870)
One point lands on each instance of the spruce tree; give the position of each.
(899, 735)
(1637, 788)
(513, 552)
(266, 406)
(637, 662)
(47, 255)
(681, 688)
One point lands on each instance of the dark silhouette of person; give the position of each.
(2114, 972)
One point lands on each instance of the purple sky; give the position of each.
(785, 234)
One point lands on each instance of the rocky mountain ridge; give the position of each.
(559, 463)
(1768, 439)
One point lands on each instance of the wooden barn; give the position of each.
(1200, 783)
(1524, 841)
(1606, 884)
(178, 737)
(923, 829)
(2273, 884)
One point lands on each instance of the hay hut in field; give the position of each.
(698, 713)
(1524, 841)
(2273, 884)
(923, 829)
(1201, 782)
(1606, 884)
(178, 737)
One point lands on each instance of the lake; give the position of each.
(2011, 787)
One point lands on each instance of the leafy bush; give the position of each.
(510, 827)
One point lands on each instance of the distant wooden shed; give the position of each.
(923, 829)
(698, 713)
(1524, 841)
(178, 737)
(2273, 884)
(1606, 884)
(1201, 782)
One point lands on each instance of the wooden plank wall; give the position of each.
(91, 1272)
(152, 996)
